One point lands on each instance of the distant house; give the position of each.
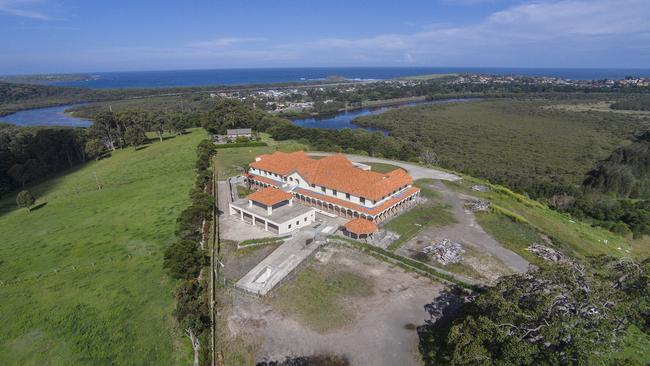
(232, 134)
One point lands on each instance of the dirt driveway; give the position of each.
(490, 256)
(382, 331)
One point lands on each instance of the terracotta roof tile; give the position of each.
(361, 226)
(335, 172)
(269, 196)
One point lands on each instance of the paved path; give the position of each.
(416, 171)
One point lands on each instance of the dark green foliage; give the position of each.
(31, 153)
(25, 199)
(183, 259)
(626, 172)
(633, 102)
(135, 136)
(566, 315)
(95, 149)
(620, 216)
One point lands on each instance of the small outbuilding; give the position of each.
(360, 228)
(232, 134)
(272, 209)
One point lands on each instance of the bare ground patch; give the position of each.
(376, 307)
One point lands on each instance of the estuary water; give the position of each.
(344, 119)
(50, 116)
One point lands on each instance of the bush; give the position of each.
(183, 259)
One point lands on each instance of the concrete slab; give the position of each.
(270, 271)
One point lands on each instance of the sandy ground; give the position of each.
(382, 332)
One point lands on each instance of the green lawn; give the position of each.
(431, 213)
(81, 278)
(381, 167)
(232, 162)
(314, 296)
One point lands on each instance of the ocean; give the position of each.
(178, 78)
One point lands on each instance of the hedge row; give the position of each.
(185, 258)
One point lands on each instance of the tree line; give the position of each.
(28, 154)
(185, 258)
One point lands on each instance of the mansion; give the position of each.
(336, 185)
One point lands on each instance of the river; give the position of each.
(50, 116)
(56, 116)
(343, 120)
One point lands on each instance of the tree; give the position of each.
(161, 122)
(558, 315)
(228, 113)
(183, 259)
(25, 199)
(135, 136)
(95, 148)
(428, 157)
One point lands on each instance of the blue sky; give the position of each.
(84, 36)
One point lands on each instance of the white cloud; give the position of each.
(223, 42)
(25, 9)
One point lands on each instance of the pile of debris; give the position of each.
(548, 254)
(480, 188)
(478, 205)
(445, 251)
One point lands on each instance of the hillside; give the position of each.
(81, 278)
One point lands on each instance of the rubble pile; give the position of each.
(548, 254)
(445, 251)
(478, 205)
(480, 188)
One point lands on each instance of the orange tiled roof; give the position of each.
(335, 172)
(264, 180)
(269, 196)
(372, 212)
(361, 226)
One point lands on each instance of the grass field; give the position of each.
(521, 144)
(381, 167)
(431, 213)
(82, 281)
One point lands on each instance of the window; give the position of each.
(334, 192)
(313, 186)
(289, 226)
(347, 195)
(305, 219)
(297, 222)
(323, 189)
(362, 200)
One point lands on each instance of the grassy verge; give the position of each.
(314, 296)
(574, 237)
(262, 241)
(513, 235)
(430, 213)
(82, 277)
